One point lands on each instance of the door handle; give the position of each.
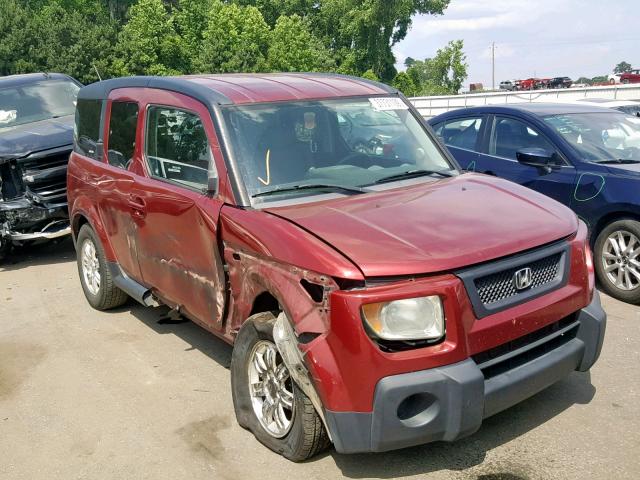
(138, 206)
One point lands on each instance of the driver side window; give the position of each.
(510, 135)
(177, 149)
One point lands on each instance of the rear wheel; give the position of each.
(95, 277)
(266, 399)
(617, 260)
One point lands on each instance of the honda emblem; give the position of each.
(523, 278)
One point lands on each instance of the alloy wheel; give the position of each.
(271, 389)
(621, 260)
(90, 267)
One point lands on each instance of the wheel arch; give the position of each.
(609, 218)
(84, 213)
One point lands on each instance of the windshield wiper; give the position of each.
(412, 174)
(312, 186)
(619, 160)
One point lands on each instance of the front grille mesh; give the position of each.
(499, 286)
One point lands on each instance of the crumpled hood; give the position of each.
(434, 227)
(21, 140)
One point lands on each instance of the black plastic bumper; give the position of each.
(450, 402)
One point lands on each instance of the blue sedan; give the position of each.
(586, 157)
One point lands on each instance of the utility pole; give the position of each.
(493, 65)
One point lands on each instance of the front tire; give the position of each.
(617, 260)
(95, 277)
(266, 399)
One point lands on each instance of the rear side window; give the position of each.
(122, 133)
(177, 149)
(461, 132)
(87, 128)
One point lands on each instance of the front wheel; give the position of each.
(266, 399)
(617, 260)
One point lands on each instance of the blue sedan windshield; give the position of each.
(600, 136)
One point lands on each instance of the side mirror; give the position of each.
(536, 157)
(213, 183)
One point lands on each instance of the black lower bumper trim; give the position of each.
(450, 402)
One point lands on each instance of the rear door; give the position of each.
(506, 135)
(113, 182)
(176, 221)
(463, 137)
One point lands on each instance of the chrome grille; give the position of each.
(500, 285)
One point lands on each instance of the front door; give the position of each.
(177, 224)
(509, 135)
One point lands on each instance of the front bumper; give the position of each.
(24, 219)
(450, 402)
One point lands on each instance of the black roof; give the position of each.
(101, 90)
(22, 79)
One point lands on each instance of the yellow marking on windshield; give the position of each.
(266, 161)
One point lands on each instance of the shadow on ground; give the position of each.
(49, 253)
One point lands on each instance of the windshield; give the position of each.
(37, 101)
(344, 143)
(600, 136)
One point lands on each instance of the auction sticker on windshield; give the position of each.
(383, 104)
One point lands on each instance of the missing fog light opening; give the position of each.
(418, 409)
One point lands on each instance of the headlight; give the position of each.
(419, 318)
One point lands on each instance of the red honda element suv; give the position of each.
(376, 297)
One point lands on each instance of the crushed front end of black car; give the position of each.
(33, 197)
(36, 138)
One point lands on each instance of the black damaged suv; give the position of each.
(36, 137)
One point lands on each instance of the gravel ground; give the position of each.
(128, 395)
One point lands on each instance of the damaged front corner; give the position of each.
(285, 339)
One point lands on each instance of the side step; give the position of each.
(132, 288)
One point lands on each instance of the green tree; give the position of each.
(56, 40)
(584, 80)
(235, 39)
(293, 47)
(148, 44)
(273, 9)
(403, 82)
(622, 67)
(363, 32)
(359, 33)
(409, 61)
(370, 75)
(599, 79)
(13, 28)
(190, 18)
(443, 74)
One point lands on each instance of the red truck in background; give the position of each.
(375, 299)
(632, 76)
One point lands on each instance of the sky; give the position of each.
(543, 38)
